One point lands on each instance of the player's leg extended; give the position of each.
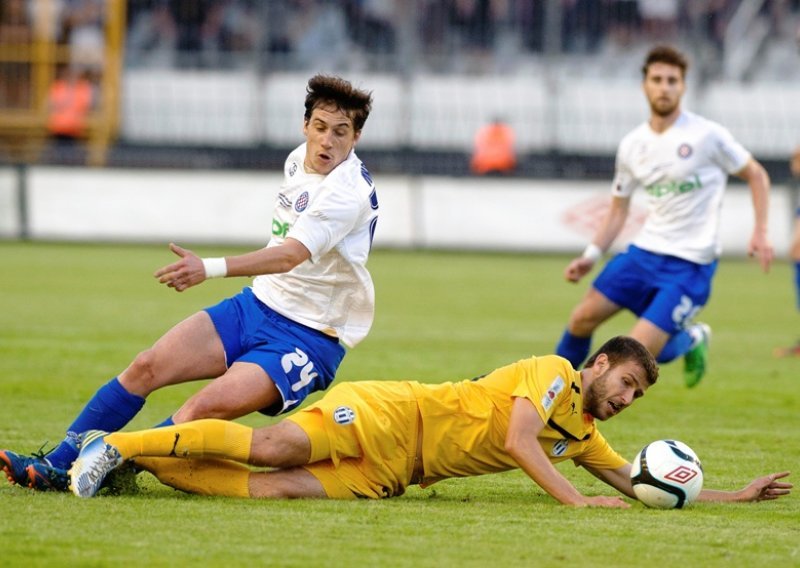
(197, 439)
(208, 476)
(593, 310)
(282, 445)
(650, 335)
(231, 479)
(189, 351)
(691, 344)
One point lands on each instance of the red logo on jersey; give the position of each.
(684, 151)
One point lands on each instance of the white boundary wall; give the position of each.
(426, 212)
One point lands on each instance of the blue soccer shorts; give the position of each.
(665, 290)
(299, 360)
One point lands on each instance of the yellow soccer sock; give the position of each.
(201, 476)
(201, 438)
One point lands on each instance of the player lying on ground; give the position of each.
(373, 439)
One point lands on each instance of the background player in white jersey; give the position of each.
(664, 277)
(271, 345)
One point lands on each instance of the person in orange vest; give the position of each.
(494, 149)
(70, 100)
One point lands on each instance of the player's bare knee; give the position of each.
(581, 322)
(140, 376)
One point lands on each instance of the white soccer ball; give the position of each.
(666, 474)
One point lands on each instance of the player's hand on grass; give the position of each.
(183, 274)
(766, 488)
(578, 268)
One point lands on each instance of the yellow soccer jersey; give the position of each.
(464, 424)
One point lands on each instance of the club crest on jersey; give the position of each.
(560, 448)
(344, 415)
(684, 151)
(553, 391)
(301, 203)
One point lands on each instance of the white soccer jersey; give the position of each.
(334, 216)
(684, 170)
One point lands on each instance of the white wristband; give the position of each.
(215, 267)
(593, 252)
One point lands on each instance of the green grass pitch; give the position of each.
(72, 316)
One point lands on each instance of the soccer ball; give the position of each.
(666, 474)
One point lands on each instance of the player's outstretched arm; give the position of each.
(522, 444)
(765, 488)
(610, 227)
(191, 270)
(619, 479)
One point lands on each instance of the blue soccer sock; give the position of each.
(111, 408)
(574, 349)
(677, 346)
(797, 282)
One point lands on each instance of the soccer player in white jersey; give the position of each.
(271, 345)
(664, 277)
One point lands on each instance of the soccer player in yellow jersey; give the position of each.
(373, 439)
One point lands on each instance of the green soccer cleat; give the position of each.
(96, 460)
(695, 360)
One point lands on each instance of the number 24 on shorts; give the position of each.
(299, 359)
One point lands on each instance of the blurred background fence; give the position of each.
(219, 83)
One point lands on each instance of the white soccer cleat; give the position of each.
(94, 462)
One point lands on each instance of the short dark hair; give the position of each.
(621, 349)
(335, 91)
(665, 54)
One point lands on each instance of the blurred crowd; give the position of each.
(391, 35)
(77, 25)
(439, 34)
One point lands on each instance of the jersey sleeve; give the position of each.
(599, 454)
(328, 220)
(726, 151)
(545, 382)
